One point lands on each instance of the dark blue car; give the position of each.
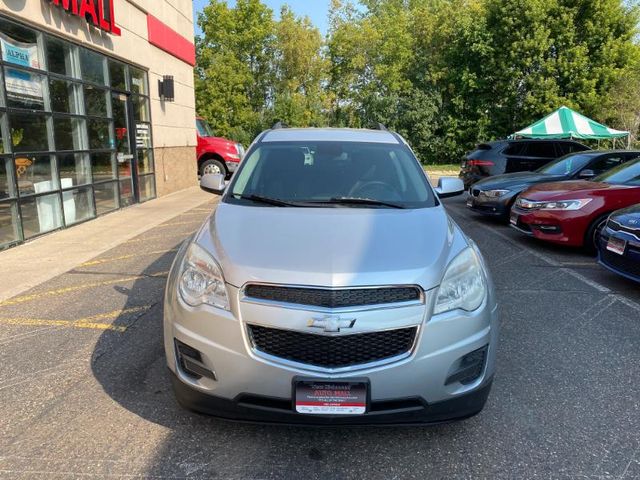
(619, 245)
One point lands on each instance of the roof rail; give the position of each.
(278, 125)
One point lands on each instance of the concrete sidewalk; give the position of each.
(35, 262)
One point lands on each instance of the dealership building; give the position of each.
(97, 109)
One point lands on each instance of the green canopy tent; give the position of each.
(566, 123)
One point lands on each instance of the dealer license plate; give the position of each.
(330, 398)
(514, 219)
(616, 245)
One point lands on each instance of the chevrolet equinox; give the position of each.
(330, 286)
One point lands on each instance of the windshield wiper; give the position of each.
(359, 201)
(267, 200)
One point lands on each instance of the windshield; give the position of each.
(204, 129)
(567, 165)
(347, 174)
(627, 174)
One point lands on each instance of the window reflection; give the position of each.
(77, 205)
(64, 96)
(29, 132)
(92, 66)
(40, 214)
(76, 167)
(35, 174)
(8, 223)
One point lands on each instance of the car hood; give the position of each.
(568, 189)
(628, 217)
(331, 247)
(514, 180)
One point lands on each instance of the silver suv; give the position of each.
(330, 286)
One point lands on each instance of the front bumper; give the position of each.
(492, 207)
(626, 265)
(561, 227)
(256, 387)
(232, 166)
(262, 409)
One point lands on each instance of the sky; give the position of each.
(316, 10)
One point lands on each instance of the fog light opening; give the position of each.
(549, 228)
(190, 361)
(470, 367)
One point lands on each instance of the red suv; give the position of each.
(574, 212)
(215, 154)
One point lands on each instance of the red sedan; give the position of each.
(573, 213)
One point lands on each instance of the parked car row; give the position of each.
(588, 199)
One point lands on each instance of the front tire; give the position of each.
(592, 237)
(213, 166)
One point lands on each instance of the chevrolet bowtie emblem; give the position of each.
(331, 323)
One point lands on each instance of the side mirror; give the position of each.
(213, 183)
(587, 173)
(449, 187)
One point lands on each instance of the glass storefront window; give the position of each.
(99, 134)
(35, 174)
(92, 66)
(68, 133)
(77, 205)
(65, 96)
(40, 214)
(127, 194)
(145, 161)
(117, 75)
(140, 108)
(147, 187)
(138, 81)
(6, 180)
(19, 45)
(24, 89)
(5, 143)
(95, 101)
(106, 197)
(60, 58)
(29, 132)
(74, 167)
(8, 223)
(103, 166)
(75, 133)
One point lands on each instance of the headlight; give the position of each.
(463, 286)
(201, 280)
(565, 204)
(558, 205)
(494, 193)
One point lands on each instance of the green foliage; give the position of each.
(445, 74)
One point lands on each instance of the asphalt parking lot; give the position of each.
(84, 390)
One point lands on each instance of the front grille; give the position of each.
(616, 227)
(333, 298)
(332, 351)
(620, 262)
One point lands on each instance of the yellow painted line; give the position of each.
(159, 237)
(123, 257)
(165, 225)
(87, 323)
(76, 288)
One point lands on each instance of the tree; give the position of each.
(299, 96)
(234, 72)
